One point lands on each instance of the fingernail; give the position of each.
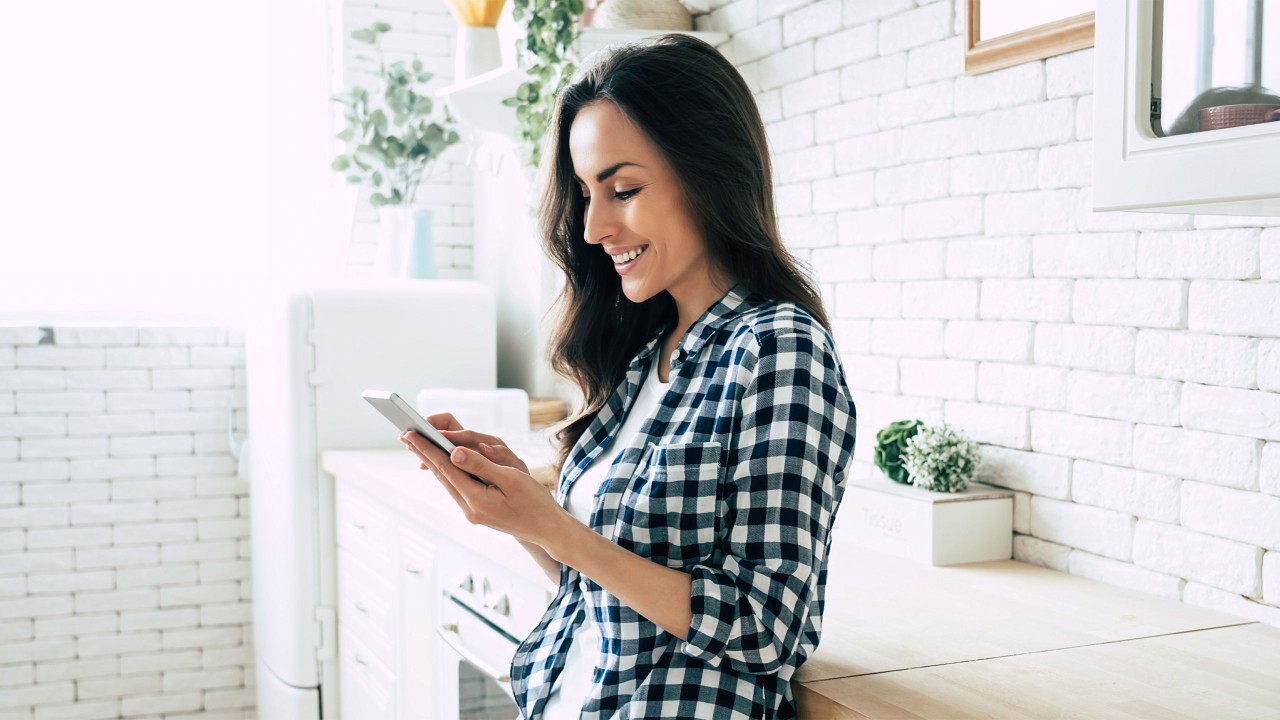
(459, 456)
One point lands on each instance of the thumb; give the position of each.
(476, 464)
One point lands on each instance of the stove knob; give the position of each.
(468, 584)
(501, 605)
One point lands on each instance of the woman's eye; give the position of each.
(626, 194)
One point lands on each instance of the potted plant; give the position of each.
(937, 458)
(394, 140)
(929, 512)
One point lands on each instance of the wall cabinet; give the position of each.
(1154, 63)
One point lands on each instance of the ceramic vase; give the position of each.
(406, 248)
(477, 52)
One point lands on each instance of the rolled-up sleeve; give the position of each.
(794, 436)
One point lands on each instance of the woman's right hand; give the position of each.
(490, 446)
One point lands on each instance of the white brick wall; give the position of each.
(124, 575)
(422, 28)
(1122, 370)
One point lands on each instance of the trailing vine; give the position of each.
(547, 56)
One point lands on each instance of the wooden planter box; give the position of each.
(932, 528)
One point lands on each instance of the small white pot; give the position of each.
(477, 52)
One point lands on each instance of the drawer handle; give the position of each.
(413, 571)
(449, 634)
(361, 661)
(360, 606)
(359, 525)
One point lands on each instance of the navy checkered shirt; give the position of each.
(736, 481)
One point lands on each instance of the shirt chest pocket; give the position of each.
(668, 511)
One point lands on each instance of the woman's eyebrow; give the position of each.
(608, 172)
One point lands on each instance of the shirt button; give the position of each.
(583, 585)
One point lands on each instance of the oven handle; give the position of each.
(449, 634)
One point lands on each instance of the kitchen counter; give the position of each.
(999, 639)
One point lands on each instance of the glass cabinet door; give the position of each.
(1215, 65)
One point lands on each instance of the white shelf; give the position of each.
(477, 101)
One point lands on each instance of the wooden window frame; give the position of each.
(1034, 43)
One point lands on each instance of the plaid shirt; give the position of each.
(736, 481)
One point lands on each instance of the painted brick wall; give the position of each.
(1122, 370)
(422, 28)
(124, 551)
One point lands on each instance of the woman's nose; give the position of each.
(596, 223)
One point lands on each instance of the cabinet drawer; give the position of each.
(367, 606)
(365, 527)
(368, 685)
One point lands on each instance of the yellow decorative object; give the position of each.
(476, 13)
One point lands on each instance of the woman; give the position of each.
(698, 487)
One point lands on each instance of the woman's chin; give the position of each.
(635, 289)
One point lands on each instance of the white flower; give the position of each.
(941, 459)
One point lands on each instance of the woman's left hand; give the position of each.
(514, 503)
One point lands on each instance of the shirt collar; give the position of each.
(736, 301)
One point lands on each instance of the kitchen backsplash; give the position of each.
(124, 550)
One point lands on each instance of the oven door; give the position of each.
(475, 658)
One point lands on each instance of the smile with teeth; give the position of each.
(628, 256)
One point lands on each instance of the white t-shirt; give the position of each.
(574, 682)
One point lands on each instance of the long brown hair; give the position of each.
(695, 107)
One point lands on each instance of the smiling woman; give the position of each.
(699, 483)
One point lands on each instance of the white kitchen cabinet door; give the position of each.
(368, 686)
(419, 616)
(1138, 165)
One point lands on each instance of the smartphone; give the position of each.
(403, 416)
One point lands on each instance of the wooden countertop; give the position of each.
(1000, 639)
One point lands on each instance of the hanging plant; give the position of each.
(547, 55)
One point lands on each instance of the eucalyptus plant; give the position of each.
(395, 140)
(547, 54)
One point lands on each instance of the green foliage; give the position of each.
(891, 445)
(941, 459)
(397, 139)
(547, 55)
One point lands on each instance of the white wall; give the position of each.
(1122, 370)
(124, 551)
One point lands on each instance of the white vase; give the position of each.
(405, 248)
(477, 52)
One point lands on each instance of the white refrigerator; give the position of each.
(309, 353)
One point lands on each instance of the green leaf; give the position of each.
(365, 35)
(381, 27)
(340, 163)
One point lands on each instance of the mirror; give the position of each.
(1003, 33)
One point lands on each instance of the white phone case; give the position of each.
(403, 416)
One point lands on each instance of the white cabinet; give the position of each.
(429, 613)
(1141, 64)
(420, 615)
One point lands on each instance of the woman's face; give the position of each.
(634, 204)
